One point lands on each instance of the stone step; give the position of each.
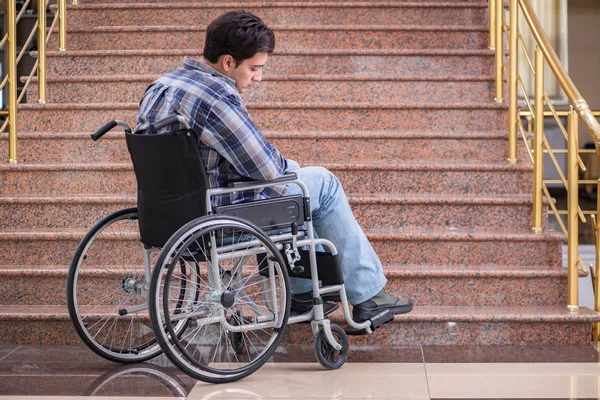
(434, 325)
(484, 146)
(243, 3)
(425, 285)
(308, 13)
(410, 246)
(351, 63)
(371, 211)
(359, 177)
(128, 88)
(289, 38)
(287, 116)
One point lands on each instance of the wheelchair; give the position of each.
(207, 285)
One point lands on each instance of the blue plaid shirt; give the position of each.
(231, 146)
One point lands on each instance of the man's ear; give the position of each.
(227, 63)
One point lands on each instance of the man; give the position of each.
(207, 93)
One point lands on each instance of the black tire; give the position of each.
(107, 265)
(329, 357)
(232, 288)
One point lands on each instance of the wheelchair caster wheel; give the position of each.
(326, 354)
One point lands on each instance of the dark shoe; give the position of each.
(382, 301)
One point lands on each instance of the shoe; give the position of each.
(382, 301)
(378, 303)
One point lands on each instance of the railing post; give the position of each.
(538, 140)
(492, 21)
(42, 51)
(499, 44)
(62, 25)
(512, 82)
(596, 330)
(572, 213)
(11, 16)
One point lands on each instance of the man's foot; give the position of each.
(382, 301)
(302, 303)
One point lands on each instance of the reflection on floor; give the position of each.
(372, 372)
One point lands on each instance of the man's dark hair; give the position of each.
(240, 34)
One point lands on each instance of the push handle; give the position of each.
(108, 126)
(105, 128)
(168, 121)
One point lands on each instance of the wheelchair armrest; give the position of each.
(290, 176)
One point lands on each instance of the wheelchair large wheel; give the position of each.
(106, 277)
(241, 306)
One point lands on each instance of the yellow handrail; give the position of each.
(13, 58)
(575, 98)
(544, 53)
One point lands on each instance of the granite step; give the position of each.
(409, 246)
(425, 285)
(130, 88)
(483, 146)
(371, 211)
(434, 325)
(351, 63)
(243, 3)
(454, 116)
(289, 38)
(307, 13)
(360, 177)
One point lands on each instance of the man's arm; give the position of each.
(231, 132)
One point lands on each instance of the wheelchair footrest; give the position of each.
(376, 321)
(381, 318)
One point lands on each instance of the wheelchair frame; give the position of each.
(149, 287)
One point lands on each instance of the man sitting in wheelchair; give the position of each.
(206, 93)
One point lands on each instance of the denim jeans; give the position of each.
(333, 220)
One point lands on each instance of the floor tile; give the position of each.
(311, 381)
(510, 354)
(93, 378)
(514, 380)
(357, 353)
(7, 349)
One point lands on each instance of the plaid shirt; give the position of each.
(231, 146)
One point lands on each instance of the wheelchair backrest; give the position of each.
(171, 182)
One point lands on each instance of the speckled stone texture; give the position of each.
(360, 63)
(371, 211)
(291, 116)
(425, 325)
(280, 14)
(395, 98)
(302, 146)
(119, 88)
(425, 285)
(367, 177)
(288, 37)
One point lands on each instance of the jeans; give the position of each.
(333, 220)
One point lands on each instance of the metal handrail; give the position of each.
(544, 53)
(575, 98)
(11, 79)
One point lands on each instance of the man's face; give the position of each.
(249, 72)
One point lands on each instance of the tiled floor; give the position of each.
(372, 372)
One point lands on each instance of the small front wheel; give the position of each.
(326, 354)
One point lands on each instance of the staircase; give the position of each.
(393, 97)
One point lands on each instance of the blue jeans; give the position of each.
(333, 220)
